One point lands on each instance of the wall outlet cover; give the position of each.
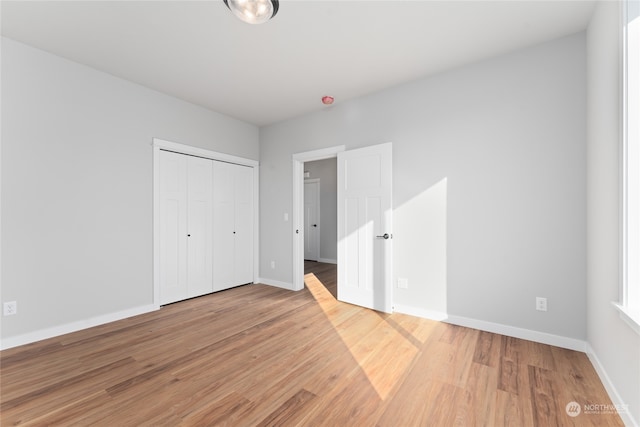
(541, 304)
(10, 308)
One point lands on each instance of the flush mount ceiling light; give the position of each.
(253, 11)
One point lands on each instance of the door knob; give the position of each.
(385, 236)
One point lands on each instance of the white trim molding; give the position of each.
(420, 312)
(626, 416)
(328, 260)
(67, 328)
(496, 328)
(629, 298)
(525, 334)
(276, 283)
(321, 154)
(201, 152)
(632, 318)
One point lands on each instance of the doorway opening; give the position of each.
(298, 214)
(321, 222)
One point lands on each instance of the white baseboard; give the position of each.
(626, 416)
(525, 334)
(276, 283)
(497, 328)
(328, 260)
(419, 312)
(67, 328)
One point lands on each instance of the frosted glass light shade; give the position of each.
(253, 11)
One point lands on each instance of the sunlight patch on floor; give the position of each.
(389, 344)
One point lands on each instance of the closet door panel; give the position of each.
(173, 242)
(223, 226)
(199, 226)
(243, 250)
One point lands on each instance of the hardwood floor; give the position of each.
(262, 356)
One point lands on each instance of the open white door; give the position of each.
(364, 227)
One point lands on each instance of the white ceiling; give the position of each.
(200, 52)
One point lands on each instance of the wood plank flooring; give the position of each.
(262, 356)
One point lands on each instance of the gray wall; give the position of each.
(77, 185)
(326, 170)
(489, 193)
(614, 343)
(488, 181)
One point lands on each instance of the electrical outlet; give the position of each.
(10, 308)
(541, 304)
(273, 264)
(403, 283)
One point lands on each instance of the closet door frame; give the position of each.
(160, 144)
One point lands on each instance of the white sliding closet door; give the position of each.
(186, 244)
(173, 227)
(243, 268)
(199, 233)
(232, 225)
(223, 226)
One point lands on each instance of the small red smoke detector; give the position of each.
(327, 100)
